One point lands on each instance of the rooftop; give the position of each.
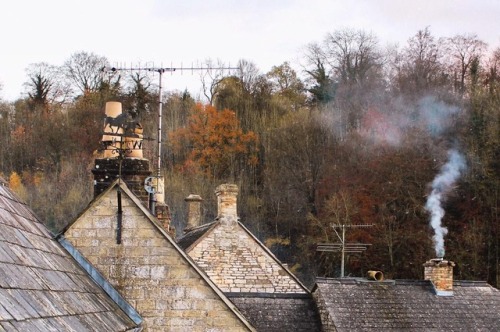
(41, 287)
(275, 312)
(194, 234)
(356, 304)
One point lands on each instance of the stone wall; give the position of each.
(236, 262)
(148, 270)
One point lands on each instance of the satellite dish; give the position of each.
(148, 185)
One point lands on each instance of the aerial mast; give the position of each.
(342, 246)
(160, 71)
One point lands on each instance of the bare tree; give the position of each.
(343, 66)
(319, 81)
(212, 78)
(419, 66)
(352, 54)
(463, 50)
(85, 71)
(249, 74)
(493, 75)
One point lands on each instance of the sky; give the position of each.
(183, 33)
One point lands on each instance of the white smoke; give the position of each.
(440, 187)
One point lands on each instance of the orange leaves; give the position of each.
(19, 133)
(214, 143)
(15, 182)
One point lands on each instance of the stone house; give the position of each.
(129, 247)
(232, 256)
(124, 235)
(262, 288)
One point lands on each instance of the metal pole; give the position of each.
(160, 102)
(343, 249)
(160, 111)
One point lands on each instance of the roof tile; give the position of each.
(356, 305)
(41, 286)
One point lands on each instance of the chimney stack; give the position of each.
(161, 209)
(194, 211)
(121, 135)
(122, 155)
(226, 203)
(440, 273)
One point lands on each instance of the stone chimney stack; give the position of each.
(440, 273)
(226, 203)
(194, 211)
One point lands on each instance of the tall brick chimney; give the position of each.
(440, 273)
(194, 211)
(121, 135)
(122, 155)
(226, 203)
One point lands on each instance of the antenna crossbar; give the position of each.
(342, 246)
(351, 225)
(165, 69)
(160, 71)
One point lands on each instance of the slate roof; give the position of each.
(278, 312)
(194, 234)
(41, 287)
(395, 305)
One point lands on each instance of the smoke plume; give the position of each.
(441, 185)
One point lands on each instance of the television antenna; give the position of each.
(161, 71)
(342, 246)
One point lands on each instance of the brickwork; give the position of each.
(134, 171)
(440, 272)
(236, 262)
(148, 270)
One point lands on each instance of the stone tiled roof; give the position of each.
(359, 305)
(244, 251)
(278, 312)
(41, 287)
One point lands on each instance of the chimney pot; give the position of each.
(375, 275)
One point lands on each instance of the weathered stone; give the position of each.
(148, 270)
(233, 259)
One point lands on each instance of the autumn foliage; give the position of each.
(216, 144)
(357, 141)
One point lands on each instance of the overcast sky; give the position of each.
(184, 32)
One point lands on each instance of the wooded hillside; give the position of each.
(355, 135)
